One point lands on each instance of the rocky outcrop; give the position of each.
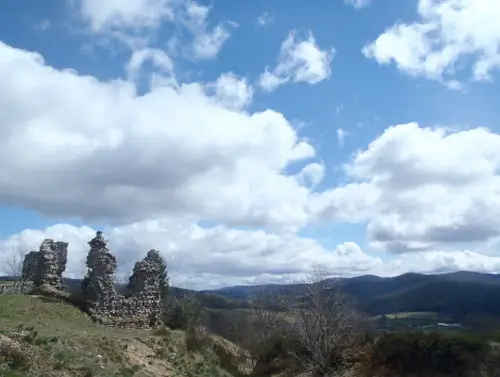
(141, 309)
(46, 266)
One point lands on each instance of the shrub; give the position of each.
(196, 339)
(427, 353)
(278, 354)
(162, 331)
(14, 357)
(227, 360)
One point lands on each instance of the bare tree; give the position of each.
(265, 319)
(325, 325)
(185, 312)
(22, 273)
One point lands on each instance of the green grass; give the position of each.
(52, 318)
(57, 339)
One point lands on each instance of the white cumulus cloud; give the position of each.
(204, 258)
(422, 188)
(300, 60)
(88, 147)
(312, 173)
(201, 257)
(232, 91)
(447, 35)
(118, 14)
(134, 22)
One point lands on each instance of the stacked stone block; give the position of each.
(142, 309)
(46, 266)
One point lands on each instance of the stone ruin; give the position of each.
(46, 266)
(141, 307)
(42, 268)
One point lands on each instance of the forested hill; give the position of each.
(455, 294)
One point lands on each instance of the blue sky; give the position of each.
(249, 141)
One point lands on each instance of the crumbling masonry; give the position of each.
(141, 308)
(46, 266)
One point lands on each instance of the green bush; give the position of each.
(427, 354)
(227, 361)
(14, 357)
(276, 355)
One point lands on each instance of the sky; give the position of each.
(250, 141)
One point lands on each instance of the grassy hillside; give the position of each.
(45, 337)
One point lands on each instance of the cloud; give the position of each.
(358, 4)
(440, 261)
(232, 91)
(264, 19)
(185, 152)
(448, 34)
(136, 23)
(341, 134)
(300, 60)
(213, 257)
(312, 174)
(89, 146)
(207, 42)
(158, 58)
(79, 147)
(421, 189)
(201, 257)
(132, 14)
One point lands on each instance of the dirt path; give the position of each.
(141, 354)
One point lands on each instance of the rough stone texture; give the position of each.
(98, 285)
(142, 309)
(46, 266)
(30, 265)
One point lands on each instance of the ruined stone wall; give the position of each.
(46, 266)
(142, 309)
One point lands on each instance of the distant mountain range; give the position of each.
(458, 294)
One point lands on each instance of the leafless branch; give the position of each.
(325, 324)
(15, 262)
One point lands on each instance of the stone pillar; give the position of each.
(46, 266)
(98, 286)
(145, 285)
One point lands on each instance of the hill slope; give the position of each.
(41, 336)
